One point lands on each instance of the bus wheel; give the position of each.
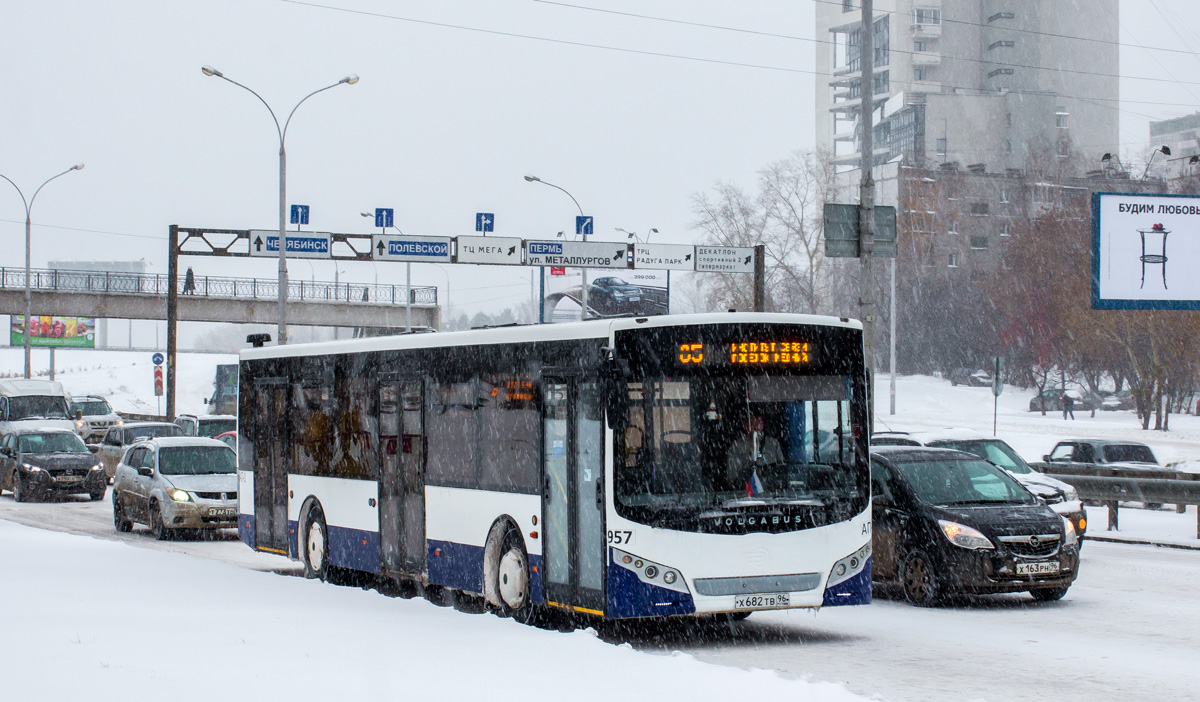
(512, 580)
(316, 545)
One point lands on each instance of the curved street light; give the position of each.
(282, 131)
(535, 179)
(28, 291)
(634, 235)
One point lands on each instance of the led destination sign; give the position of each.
(744, 353)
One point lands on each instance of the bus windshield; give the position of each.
(703, 449)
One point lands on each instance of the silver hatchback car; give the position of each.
(176, 483)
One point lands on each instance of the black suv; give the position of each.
(43, 461)
(946, 521)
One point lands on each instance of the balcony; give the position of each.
(926, 58)
(926, 31)
(925, 86)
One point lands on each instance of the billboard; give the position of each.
(640, 293)
(1144, 251)
(59, 332)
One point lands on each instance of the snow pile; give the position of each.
(100, 620)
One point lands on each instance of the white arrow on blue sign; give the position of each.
(393, 247)
(157, 358)
(265, 242)
(383, 217)
(299, 214)
(583, 225)
(485, 222)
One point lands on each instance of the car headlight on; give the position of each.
(98, 466)
(33, 469)
(964, 536)
(1072, 537)
(179, 495)
(79, 424)
(120, 422)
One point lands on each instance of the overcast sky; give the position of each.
(444, 123)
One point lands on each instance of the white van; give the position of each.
(33, 403)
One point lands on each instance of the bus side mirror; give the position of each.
(614, 380)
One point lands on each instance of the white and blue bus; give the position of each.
(636, 467)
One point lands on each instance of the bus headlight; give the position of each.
(849, 566)
(669, 577)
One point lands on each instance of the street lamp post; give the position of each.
(28, 290)
(535, 179)
(283, 278)
(634, 235)
(447, 274)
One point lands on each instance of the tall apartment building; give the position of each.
(996, 82)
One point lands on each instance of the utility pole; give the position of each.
(866, 203)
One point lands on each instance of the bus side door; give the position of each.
(402, 475)
(572, 493)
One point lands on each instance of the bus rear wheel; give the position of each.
(316, 545)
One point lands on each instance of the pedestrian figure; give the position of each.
(189, 282)
(1068, 404)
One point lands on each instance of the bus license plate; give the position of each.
(222, 512)
(1044, 568)
(779, 599)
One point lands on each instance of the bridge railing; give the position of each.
(54, 279)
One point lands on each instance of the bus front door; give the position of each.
(572, 494)
(402, 478)
(271, 466)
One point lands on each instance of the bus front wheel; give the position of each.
(316, 545)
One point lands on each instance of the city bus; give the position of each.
(622, 468)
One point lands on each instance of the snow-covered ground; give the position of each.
(123, 616)
(126, 378)
(87, 619)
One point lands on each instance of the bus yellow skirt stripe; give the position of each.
(272, 550)
(584, 610)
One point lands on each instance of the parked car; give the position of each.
(209, 425)
(176, 482)
(947, 522)
(974, 378)
(93, 416)
(118, 439)
(612, 295)
(1052, 400)
(1060, 496)
(1100, 453)
(36, 462)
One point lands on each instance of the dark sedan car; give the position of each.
(947, 522)
(42, 461)
(612, 295)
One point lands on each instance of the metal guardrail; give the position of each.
(53, 279)
(1110, 487)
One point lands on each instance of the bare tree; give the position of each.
(786, 218)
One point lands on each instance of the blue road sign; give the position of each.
(485, 222)
(299, 214)
(583, 225)
(383, 217)
(157, 358)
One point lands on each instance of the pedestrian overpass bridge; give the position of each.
(217, 299)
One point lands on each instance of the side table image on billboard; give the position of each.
(638, 293)
(59, 332)
(1144, 251)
